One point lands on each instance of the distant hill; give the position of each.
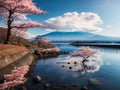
(78, 36)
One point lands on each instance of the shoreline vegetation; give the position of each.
(48, 53)
(108, 44)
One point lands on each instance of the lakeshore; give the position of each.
(109, 45)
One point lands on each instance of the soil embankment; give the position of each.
(13, 56)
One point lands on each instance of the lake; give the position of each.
(62, 73)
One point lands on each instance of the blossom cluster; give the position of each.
(16, 77)
(19, 7)
(16, 11)
(26, 24)
(85, 52)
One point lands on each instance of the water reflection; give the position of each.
(76, 64)
(67, 70)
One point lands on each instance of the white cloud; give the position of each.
(73, 21)
(108, 26)
(28, 35)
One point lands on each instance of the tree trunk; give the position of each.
(19, 40)
(8, 36)
(84, 65)
(9, 22)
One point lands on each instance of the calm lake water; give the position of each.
(62, 73)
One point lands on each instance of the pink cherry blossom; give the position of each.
(14, 13)
(16, 77)
(85, 52)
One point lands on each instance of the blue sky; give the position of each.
(105, 15)
(107, 10)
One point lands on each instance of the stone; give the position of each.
(36, 79)
(84, 88)
(68, 63)
(75, 62)
(47, 85)
(95, 81)
(70, 67)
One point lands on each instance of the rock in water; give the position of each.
(95, 81)
(47, 85)
(68, 63)
(70, 67)
(84, 88)
(74, 85)
(37, 79)
(75, 62)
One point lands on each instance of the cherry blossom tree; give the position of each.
(18, 35)
(13, 13)
(85, 53)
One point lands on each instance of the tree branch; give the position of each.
(4, 7)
